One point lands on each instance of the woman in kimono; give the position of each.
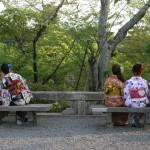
(5, 99)
(114, 94)
(136, 93)
(18, 90)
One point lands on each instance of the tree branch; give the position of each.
(116, 18)
(50, 18)
(53, 16)
(121, 34)
(103, 21)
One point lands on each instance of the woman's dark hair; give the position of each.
(136, 68)
(116, 70)
(5, 68)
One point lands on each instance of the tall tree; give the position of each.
(42, 27)
(108, 47)
(40, 24)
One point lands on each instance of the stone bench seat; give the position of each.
(33, 108)
(98, 109)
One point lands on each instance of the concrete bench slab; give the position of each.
(101, 108)
(33, 108)
(98, 109)
(29, 107)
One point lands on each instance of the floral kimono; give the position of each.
(113, 92)
(136, 92)
(5, 97)
(113, 98)
(17, 87)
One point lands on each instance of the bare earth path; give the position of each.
(71, 133)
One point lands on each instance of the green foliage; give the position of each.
(56, 106)
(18, 26)
(147, 48)
(59, 106)
(134, 49)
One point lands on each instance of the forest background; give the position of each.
(55, 44)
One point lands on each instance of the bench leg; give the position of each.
(34, 119)
(147, 121)
(130, 119)
(109, 120)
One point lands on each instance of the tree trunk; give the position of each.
(34, 51)
(93, 75)
(107, 48)
(38, 35)
(103, 45)
(35, 70)
(103, 64)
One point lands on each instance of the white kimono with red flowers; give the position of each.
(17, 88)
(136, 92)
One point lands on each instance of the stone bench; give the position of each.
(98, 109)
(79, 100)
(33, 108)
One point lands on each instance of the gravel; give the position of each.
(71, 133)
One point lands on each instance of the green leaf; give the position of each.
(128, 1)
(116, 1)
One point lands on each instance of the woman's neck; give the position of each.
(137, 75)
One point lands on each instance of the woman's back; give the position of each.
(113, 92)
(113, 86)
